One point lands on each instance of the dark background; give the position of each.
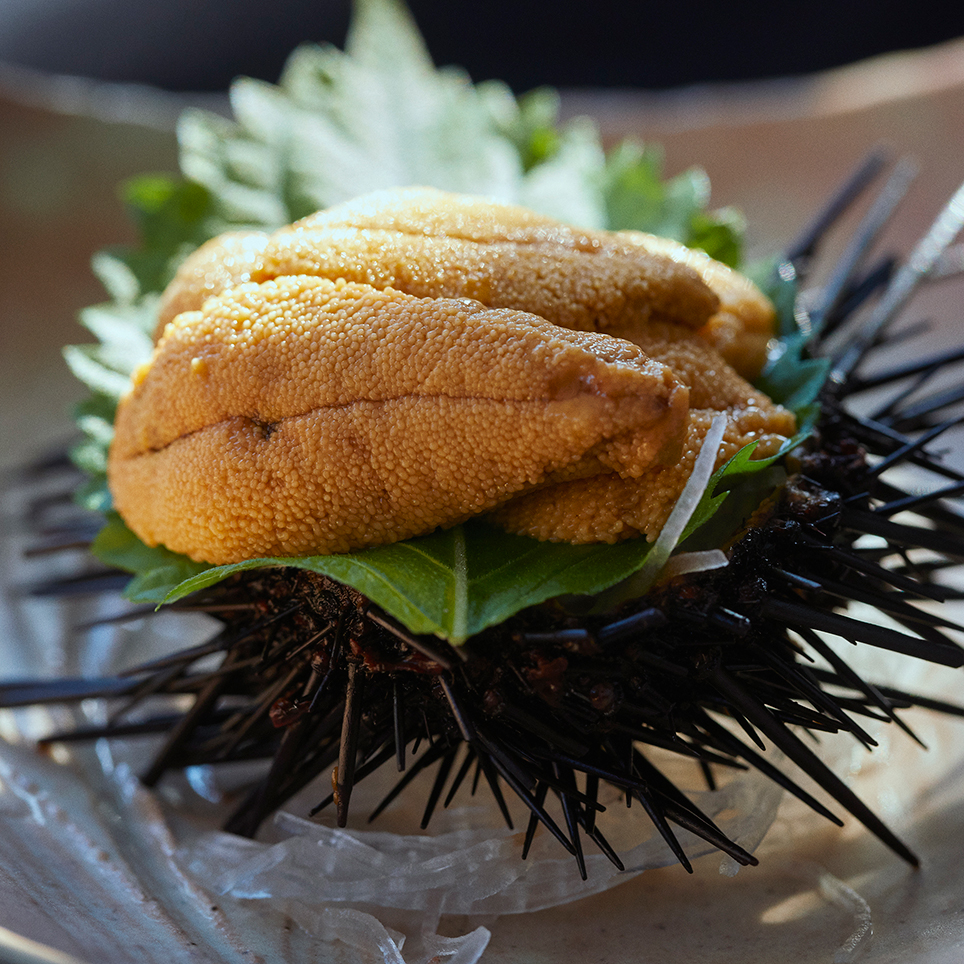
(203, 44)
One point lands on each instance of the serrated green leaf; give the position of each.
(154, 584)
(95, 418)
(633, 188)
(163, 205)
(530, 122)
(99, 406)
(563, 186)
(456, 582)
(719, 234)
(777, 279)
(117, 278)
(738, 488)
(84, 362)
(90, 457)
(123, 330)
(341, 124)
(379, 115)
(173, 217)
(157, 569)
(637, 197)
(94, 495)
(793, 379)
(99, 430)
(687, 195)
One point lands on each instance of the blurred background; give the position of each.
(191, 45)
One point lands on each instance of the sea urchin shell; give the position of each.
(557, 701)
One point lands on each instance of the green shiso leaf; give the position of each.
(791, 377)
(89, 365)
(719, 234)
(378, 115)
(529, 122)
(157, 570)
(455, 582)
(343, 123)
(94, 495)
(739, 488)
(173, 217)
(638, 197)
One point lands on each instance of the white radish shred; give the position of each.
(683, 510)
(687, 562)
